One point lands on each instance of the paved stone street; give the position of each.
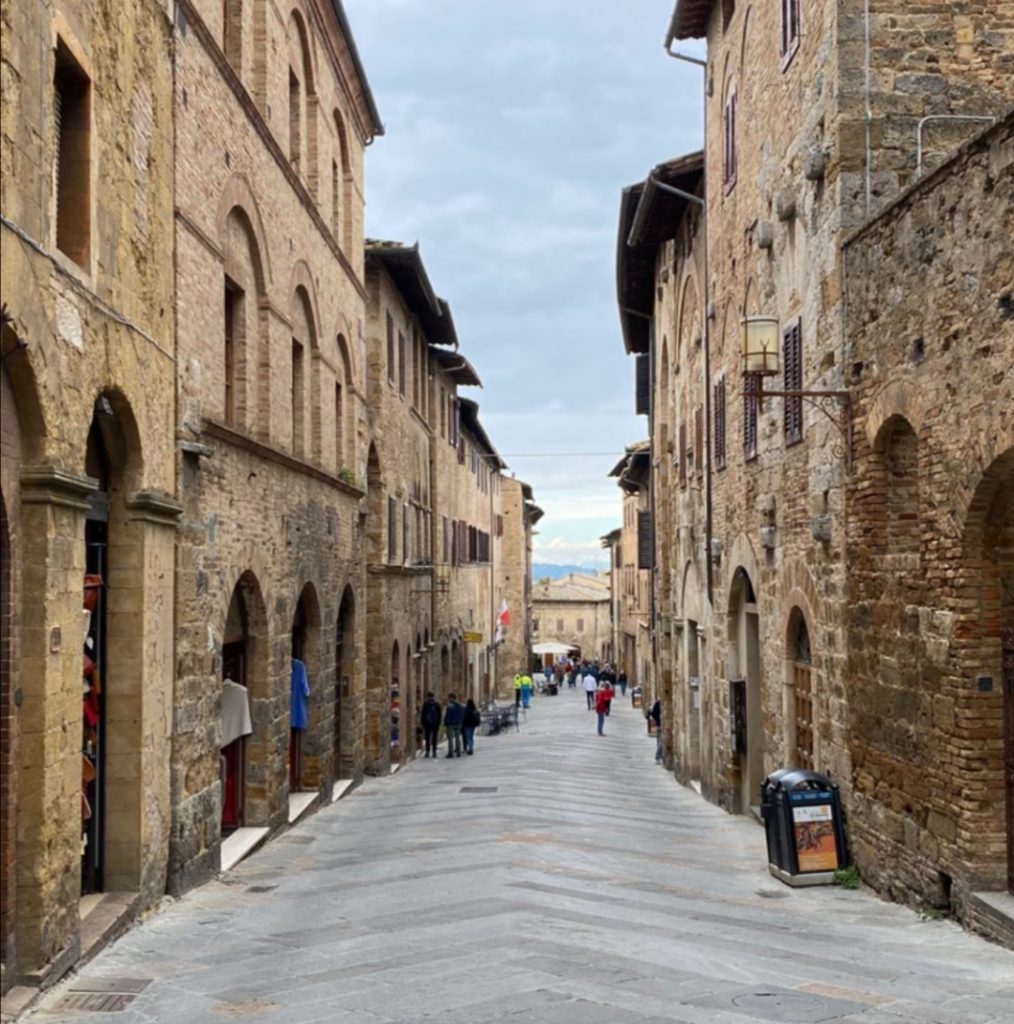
(555, 877)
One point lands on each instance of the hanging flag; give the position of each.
(503, 620)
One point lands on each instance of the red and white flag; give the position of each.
(503, 620)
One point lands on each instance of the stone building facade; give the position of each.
(520, 514)
(930, 534)
(574, 610)
(632, 575)
(87, 517)
(752, 563)
(271, 468)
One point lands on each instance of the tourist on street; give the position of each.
(655, 715)
(526, 691)
(589, 683)
(517, 688)
(454, 715)
(429, 717)
(621, 682)
(607, 692)
(471, 720)
(602, 699)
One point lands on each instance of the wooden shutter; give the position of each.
(642, 388)
(750, 381)
(792, 366)
(719, 399)
(645, 541)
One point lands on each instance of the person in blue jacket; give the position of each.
(454, 716)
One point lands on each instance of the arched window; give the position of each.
(801, 672)
(302, 103)
(901, 484)
(303, 341)
(341, 187)
(342, 397)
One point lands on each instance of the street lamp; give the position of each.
(761, 338)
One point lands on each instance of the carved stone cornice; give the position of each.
(50, 485)
(156, 507)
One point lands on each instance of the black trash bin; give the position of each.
(805, 827)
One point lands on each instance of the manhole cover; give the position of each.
(479, 789)
(101, 1002)
(772, 894)
(121, 985)
(261, 888)
(788, 1007)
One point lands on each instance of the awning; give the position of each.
(553, 647)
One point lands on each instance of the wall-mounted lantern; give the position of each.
(761, 352)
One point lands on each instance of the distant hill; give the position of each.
(554, 572)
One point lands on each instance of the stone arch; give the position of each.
(238, 199)
(20, 405)
(374, 506)
(983, 647)
(744, 663)
(303, 102)
(899, 398)
(685, 316)
(8, 744)
(305, 637)
(342, 185)
(344, 406)
(745, 67)
(298, 39)
(799, 601)
(246, 659)
(397, 686)
(895, 480)
(305, 368)
(346, 685)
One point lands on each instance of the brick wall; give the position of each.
(931, 527)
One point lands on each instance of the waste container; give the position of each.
(804, 825)
(635, 697)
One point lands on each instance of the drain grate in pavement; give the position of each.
(124, 986)
(295, 840)
(261, 888)
(479, 789)
(95, 1002)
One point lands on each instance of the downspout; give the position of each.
(868, 113)
(708, 503)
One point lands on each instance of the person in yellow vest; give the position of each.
(517, 688)
(526, 690)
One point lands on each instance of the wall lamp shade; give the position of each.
(761, 344)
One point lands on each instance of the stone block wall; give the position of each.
(931, 346)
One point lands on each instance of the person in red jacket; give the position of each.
(603, 698)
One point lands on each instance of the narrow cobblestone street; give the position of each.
(555, 877)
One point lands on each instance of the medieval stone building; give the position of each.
(754, 499)
(271, 382)
(200, 445)
(574, 610)
(88, 465)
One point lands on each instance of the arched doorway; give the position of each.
(244, 684)
(744, 670)
(8, 819)
(112, 740)
(395, 707)
(305, 674)
(984, 634)
(344, 660)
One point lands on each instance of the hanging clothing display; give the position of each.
(236, 720)
(299, 717)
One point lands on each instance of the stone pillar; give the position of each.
(54, 503)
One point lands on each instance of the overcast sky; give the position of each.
(511, 128)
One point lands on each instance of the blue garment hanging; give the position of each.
(298, 715)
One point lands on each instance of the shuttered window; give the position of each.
(750, 383)
(719, 401)
(642, 393)
(390, 348)
(699, 441)
(792, 366)
(392, 530)
(645, 541)
(682, 455)
(729, 163)
(72, 156)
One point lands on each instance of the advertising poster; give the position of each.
(814, 833)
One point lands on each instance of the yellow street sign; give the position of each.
(473, 638)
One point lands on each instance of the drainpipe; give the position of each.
(868, 113)
(702, 203)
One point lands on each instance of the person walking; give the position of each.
(471, 720)
(526, 691)
(602, 698)
(517, 689)
(608, 691)
(655, 715)
(621, 682)
(429, 718)
(589, 683)
(454, 715)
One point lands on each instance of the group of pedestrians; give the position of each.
(523, 687)
(459, 720)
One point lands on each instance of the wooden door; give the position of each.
(803, 696)
(1007, 635)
